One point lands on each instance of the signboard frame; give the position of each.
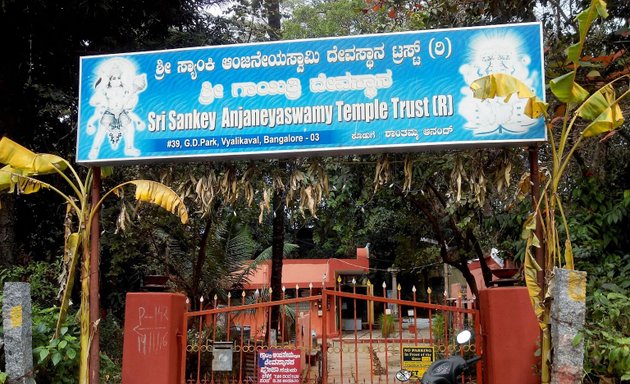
(395, 92)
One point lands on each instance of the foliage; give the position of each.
(110, 371)
(445, 14)
(111, 351)
(229, 246)
(598, 224)
(56, 358)
(326, 19)
(41, 276)
(57, 361)
(38, 84)
(387, 324)
(40, 77)
(349, 192)
(437, 326)
(602, 114)
(249, 20)
(607, 333)
(23, 173)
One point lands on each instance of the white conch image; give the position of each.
(115, 96)
(496, 52)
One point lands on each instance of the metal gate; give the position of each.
(323, 336)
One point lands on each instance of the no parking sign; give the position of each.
(417, 359)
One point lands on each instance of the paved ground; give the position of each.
(359, 365)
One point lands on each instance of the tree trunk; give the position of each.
(452, 257)
(277, 255)
(470, 280)
(273, 19)
(8, 254)
(199, 263)
(485, 269)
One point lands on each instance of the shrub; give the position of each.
(56, 360)
(607, 330)
(437, 326)
(386, 322)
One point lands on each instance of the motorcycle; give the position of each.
(444, 371)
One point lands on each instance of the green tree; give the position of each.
(324, 18)
(38, 84)
(598, 220)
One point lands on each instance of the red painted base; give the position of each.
(151, 349)
(511, 335)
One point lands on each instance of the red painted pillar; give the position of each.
(511, 335)
(151, 348)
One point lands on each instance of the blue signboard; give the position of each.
(387, 92)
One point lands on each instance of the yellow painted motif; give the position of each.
(15, 316)
(577, 287)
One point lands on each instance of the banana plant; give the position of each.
(601, 113)
(24, 172)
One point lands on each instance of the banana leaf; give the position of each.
(161, 195)
(507, 86)
(27, 161)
